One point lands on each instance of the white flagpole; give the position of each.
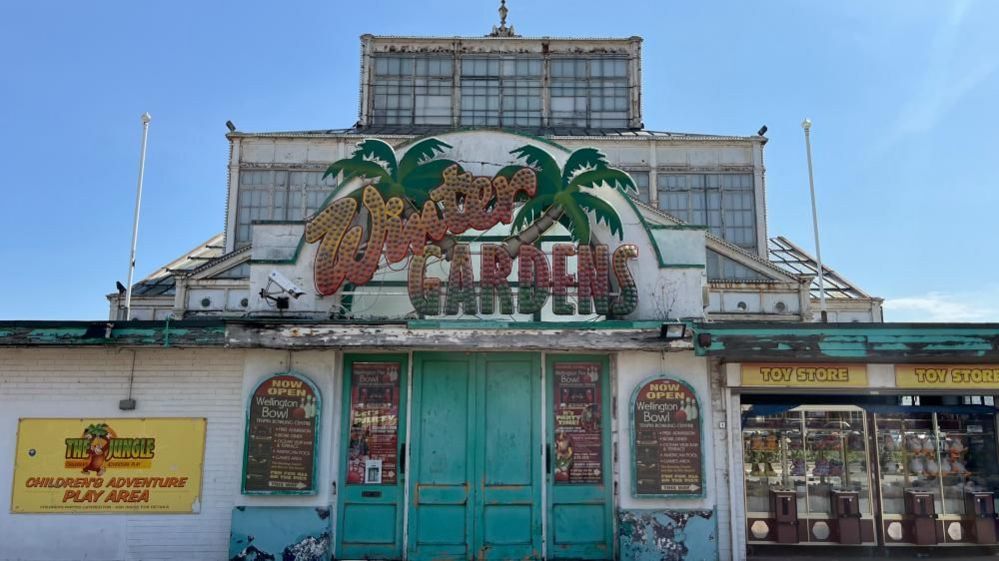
(135, 224)
(807, 125)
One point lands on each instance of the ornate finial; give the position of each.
(503, 30)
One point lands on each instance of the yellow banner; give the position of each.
(804, 375)
(108, 465)
(947, 376)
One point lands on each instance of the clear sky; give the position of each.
(903, 95)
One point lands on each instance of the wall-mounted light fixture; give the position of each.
(673, 331)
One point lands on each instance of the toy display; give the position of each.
(811, 451)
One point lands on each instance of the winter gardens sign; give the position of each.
(417, 206)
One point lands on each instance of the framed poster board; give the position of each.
(667, 451)
(282, 432)
(578, 417)
(373, 448)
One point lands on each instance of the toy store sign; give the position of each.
(804, 375)
(947, 376)
(108, 466)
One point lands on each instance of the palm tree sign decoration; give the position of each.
(410, 206)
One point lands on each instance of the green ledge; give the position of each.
(532, 325)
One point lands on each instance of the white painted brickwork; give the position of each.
(89, 383)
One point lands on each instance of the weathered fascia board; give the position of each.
(401, 337)
(209, 333)
(856, 342)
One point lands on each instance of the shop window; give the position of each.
(948, 453)
(813, 451)
(278, 195)
(722, 202)
(412, 90)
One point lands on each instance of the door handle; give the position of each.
(548, 459)
(402, 458)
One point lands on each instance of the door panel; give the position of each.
(443, 408)
(476, 447)
(580, 507)
(370, 515)
(509, 525)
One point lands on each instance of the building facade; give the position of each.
(497, 318)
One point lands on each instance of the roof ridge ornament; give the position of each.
(503, 30)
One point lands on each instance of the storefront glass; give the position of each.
(948, 455)
(811, 450)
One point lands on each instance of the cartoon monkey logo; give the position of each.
(98, 439)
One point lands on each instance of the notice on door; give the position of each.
(578, 452)
(667, 433)
(281, 432)
(373, 454)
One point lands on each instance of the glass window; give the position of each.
(501, 92)
(590, 93)
(947, 455)
(278, 195)
(722, 202)
(412, 91)
(815, 451)
(720, 267)
(641, 179)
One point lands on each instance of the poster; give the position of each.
(108, 466)
(281, 429)
(667, 433)
(373, 453)
(578, 450)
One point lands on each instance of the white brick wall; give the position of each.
(89, 383)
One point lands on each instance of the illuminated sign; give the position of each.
(414, 209)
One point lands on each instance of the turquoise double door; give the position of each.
(481, 480)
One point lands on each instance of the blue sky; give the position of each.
(903, 95)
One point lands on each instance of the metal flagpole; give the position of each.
(135, 224)
(807, 125)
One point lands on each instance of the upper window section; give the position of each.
(722, 202)
(589, 93)
(412, 90)
(529, 90)
(501, 92)
(278, 195)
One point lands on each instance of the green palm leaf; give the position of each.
(602, 211)
(425, 178)
(549, 176)
(613, 177)
(531, 211)
(509, 171)
(418, 153)
(356, 168)
(374, 149)
(582, 160)
(580, 229)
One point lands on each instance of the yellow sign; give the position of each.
(108, 465)
(804, 375)
(947, 376)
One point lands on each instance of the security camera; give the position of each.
(285, 284)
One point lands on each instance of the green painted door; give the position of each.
(371, 495)
(580, 474)
(476, 475)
